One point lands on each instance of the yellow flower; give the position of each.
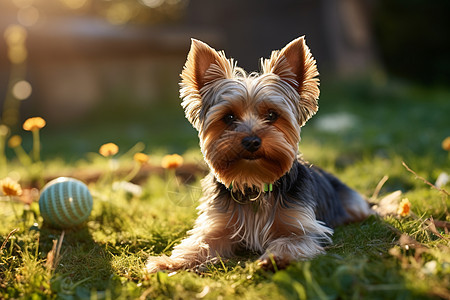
(172, 161)
(404, 207)
(108, 149)
(446, 144)
(10, 187)
(141, 158)
(33, 124)
(15, 141)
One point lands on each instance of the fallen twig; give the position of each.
(53, 256)
(378, 187)
(424, 180)
(7, 238)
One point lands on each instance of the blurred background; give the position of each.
(108, 70)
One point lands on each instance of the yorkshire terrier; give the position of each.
(260, 195)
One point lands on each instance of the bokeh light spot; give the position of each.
(28, 16)
(22, 90)
(119, 13)
(74, 4)
(17, 54)
(15, 35)
(152, 3)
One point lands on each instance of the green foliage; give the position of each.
(423, 39)
(380, 258)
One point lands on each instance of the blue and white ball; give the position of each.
(65, 202)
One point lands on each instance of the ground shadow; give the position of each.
(83, 267)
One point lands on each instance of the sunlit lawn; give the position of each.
(362, 132)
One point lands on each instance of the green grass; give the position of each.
(395, 122)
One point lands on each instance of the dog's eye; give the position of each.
(229, 119)
(271, 116)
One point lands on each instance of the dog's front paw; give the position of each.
(157, 263)
(271, 262)
(165, 263)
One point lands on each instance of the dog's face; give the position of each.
(249, 125)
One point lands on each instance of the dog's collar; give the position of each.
(268, 187)
(244, 199)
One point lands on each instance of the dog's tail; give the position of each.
(356, 207)
(342, 204)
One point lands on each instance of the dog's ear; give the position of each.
(295, 65)
(204, 65)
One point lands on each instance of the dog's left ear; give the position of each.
(295, 65)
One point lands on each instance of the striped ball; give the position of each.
(65, 202)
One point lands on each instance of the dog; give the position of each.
(260, 195)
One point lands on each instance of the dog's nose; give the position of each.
(251, 143)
